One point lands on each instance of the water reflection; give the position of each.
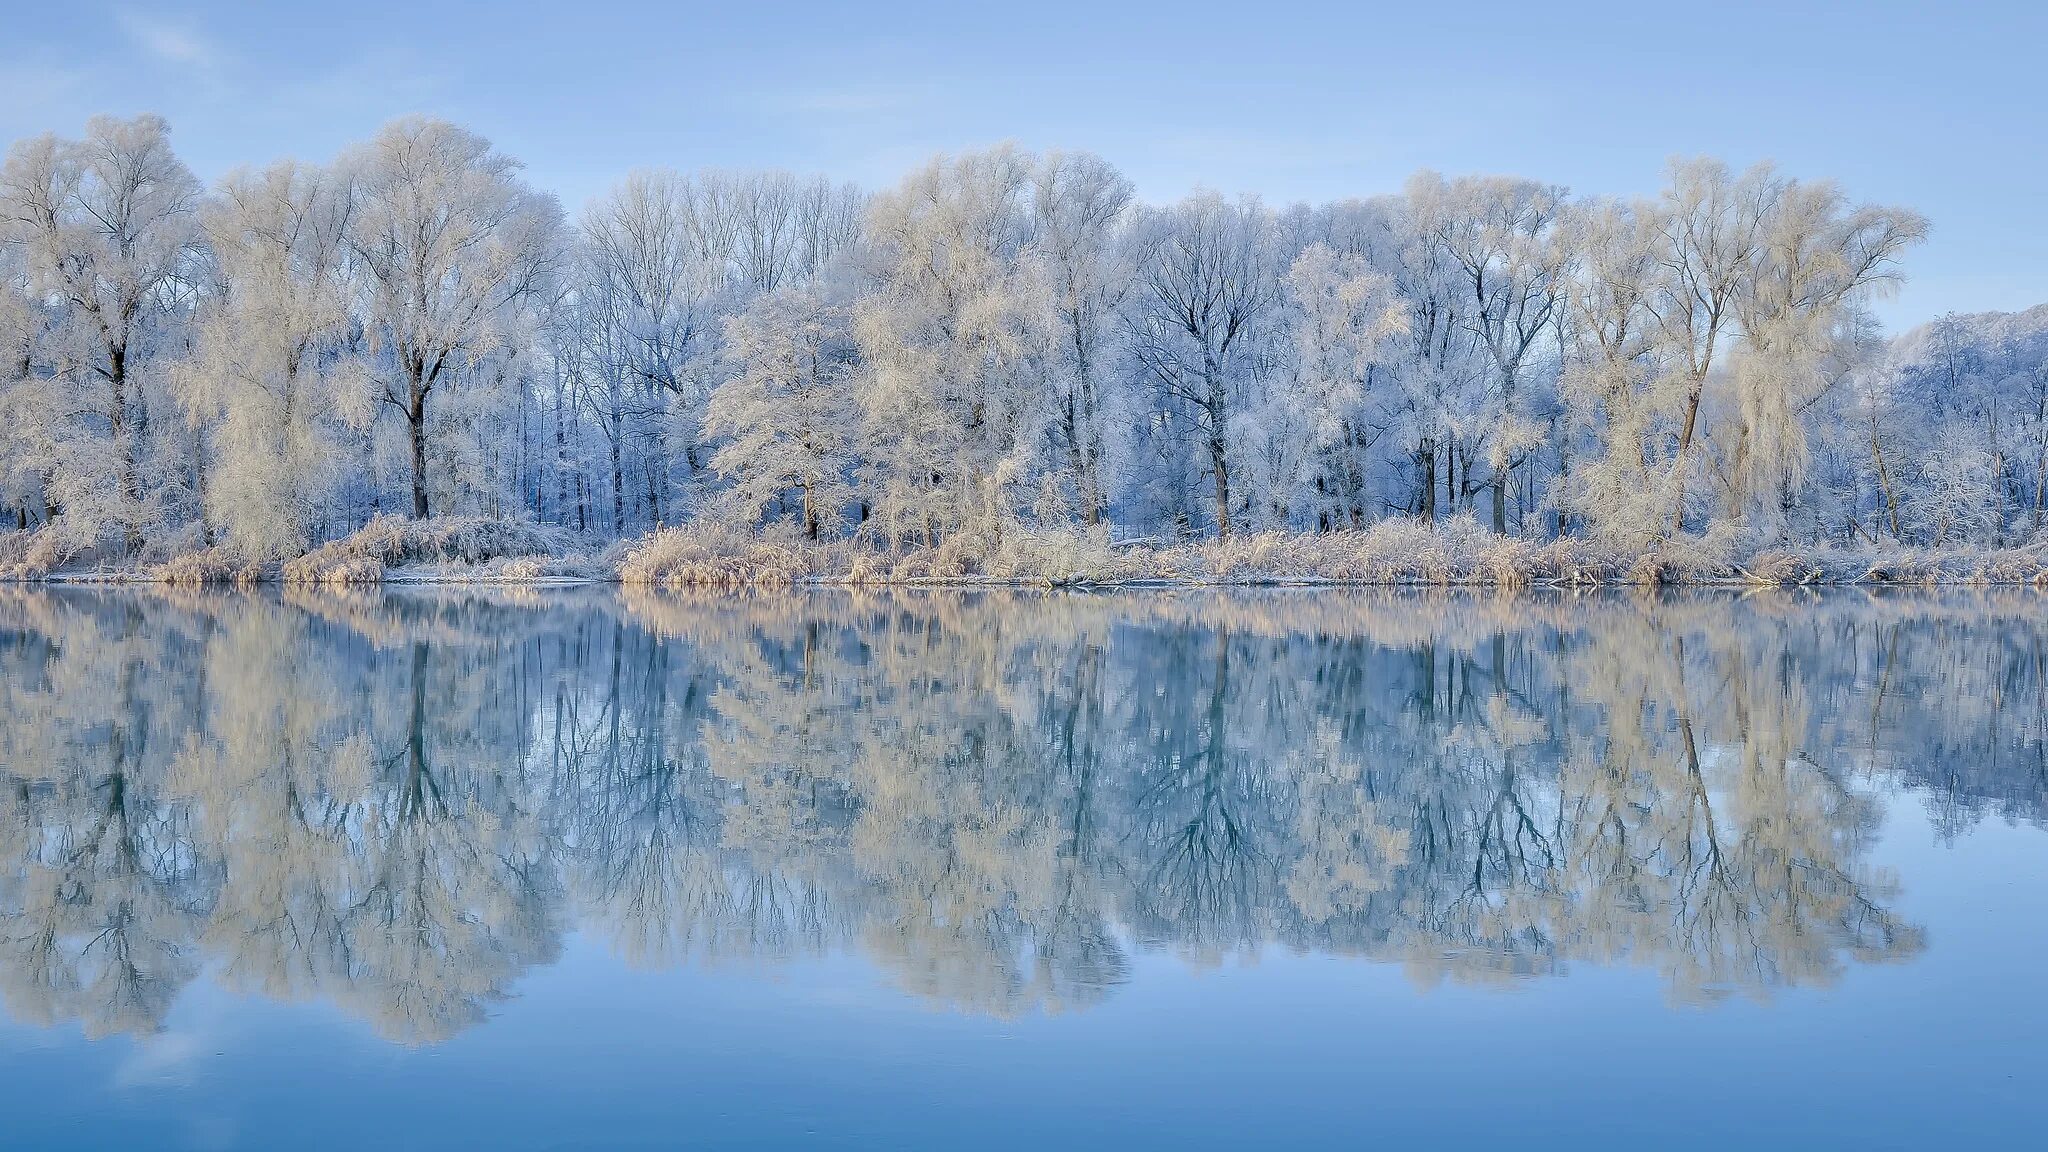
(401, 802)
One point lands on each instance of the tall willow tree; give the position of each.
(272, 364)
(954, 344)
(1733, 304)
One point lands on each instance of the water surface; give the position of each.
(569, 869)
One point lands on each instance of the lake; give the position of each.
(588, 868)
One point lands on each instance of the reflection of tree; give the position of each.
(452, 884)
(653, 829)
(398, 801)
(335, 818)
(1203, 877)
(107, 892)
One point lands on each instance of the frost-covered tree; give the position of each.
(2033, 436)
(1970, 385)
(449, 245)
(1616, 378)
(1706, 328)
(24, 486)
(1347, 318)
(1714, 223)
(1803, 327)
(1081, 206)
(271, 364)
(653, 273)
(667, 259)
(786, 411)
(1512, 262)
(955, 348)
(1441, 375)
(107, 224)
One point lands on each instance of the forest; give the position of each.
(1005, 364)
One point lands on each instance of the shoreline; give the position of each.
(707, 556)
(402, 579)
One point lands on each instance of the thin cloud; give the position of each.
(172, 44)
(28, 84)
(167, 1057)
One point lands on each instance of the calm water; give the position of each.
(492, 870)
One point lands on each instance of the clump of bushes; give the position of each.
(710, 556)
(34, 553)
(216, 565)
(1452, 552)
(367, 554)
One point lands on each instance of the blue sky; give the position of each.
(1936, 107)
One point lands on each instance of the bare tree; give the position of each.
(1208, 280)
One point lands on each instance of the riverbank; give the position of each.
(1454, 553)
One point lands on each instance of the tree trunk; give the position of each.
(2040, 479)
(1692, 415)
(618, 483)
(2040, 489)
(1219, 465)
(1884, 480)
(2040, 447)
(1219, 443)
(1997, 482)
(1427, 458)
(1078, 461)
(124, 450)
(416, 428)
(519, 462)
(561, 460)
(199, 477)
(1084, 435)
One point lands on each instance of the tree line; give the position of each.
(1004, 338)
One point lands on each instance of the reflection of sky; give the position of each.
(1943, 1051)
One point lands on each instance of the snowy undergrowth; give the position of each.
(1457, 551)
(34, 553)
(472, 547)
(389, 548)
(1393, 552)
(709, 556)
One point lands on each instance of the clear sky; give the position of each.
(1939, 107)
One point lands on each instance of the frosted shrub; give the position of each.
(710, 556)
(1456, 551)
(1062, 556)
(392, 542)
(33, 554)
(217, 565)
